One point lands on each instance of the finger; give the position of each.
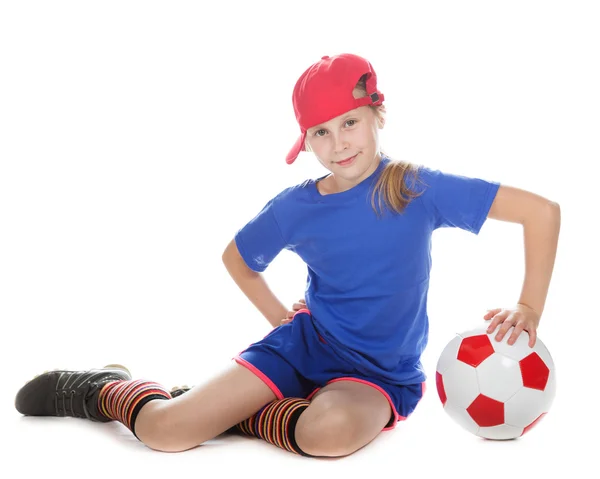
(515, 334)
(298, 306)
(532, 338)
(496, 320)
(492, 327)
(491, 313)
(303, 301)
(505, 326)
(290, 314)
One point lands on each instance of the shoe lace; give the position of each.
(65, 400)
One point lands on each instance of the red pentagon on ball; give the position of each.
(439, 382)
(534, 371)
(486, 412)
(475, 349)
(527, 428)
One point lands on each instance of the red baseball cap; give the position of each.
(324, 91)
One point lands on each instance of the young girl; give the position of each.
(345, 363)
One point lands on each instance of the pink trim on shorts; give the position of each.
(260, 374)
(381, 390)
(303, 310)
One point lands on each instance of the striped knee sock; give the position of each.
(123, 400)
(276, 423)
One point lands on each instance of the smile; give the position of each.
(347, 161)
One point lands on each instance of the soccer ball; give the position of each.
(493, 389)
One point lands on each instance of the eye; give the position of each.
(350, 122)
(319, 131)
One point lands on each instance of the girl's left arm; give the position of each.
(540, 218)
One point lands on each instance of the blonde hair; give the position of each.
(392, 190)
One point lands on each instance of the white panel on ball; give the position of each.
(516, 351)
(499, 377)
(473, 332)
(448, 356)
(460, 384)
(502, 432)
(550, 388)
(525, 407)
(461, 417)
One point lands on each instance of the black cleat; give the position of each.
(68, 393)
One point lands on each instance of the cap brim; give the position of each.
(296, 149)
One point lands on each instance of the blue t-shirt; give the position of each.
(368, 276)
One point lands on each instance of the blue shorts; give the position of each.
(294, 361)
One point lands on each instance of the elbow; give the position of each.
(225, 252)
(546, 208)
(229, 252)
(233, 261)
(555, 207)
(545, 212)
(554, 210)
(551, 214)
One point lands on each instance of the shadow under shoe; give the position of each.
(68, 393)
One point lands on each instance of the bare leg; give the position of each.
(204, 412)
(343, 417)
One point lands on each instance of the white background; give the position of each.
(137, 137)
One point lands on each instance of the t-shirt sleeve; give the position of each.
(260, 240)
(459, 201)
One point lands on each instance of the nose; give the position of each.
(340, 142)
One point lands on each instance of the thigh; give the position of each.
(285, 358)
(342, 417)
(204, 412)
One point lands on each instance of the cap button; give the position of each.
(325, 57)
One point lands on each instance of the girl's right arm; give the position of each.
(253, 285)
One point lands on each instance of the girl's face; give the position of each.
(348, 145)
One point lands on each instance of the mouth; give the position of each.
(347, 161)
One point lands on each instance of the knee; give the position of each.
(327, 435)
(159, 432)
